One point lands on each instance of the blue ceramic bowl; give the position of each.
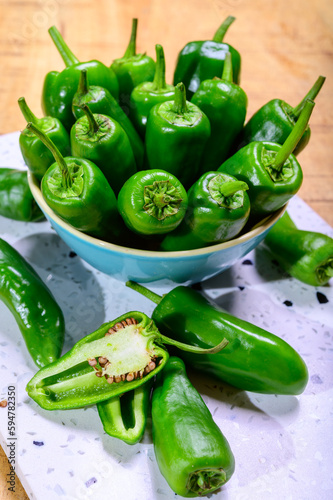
(190, 266)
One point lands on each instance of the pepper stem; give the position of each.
(179, 105)
(159, 81)
(230, 188)
(227, 73)
(83, 87)
(221, 31)
(93, 125)
(192, 348)
(294, 137)
(26, 111)
(67, 180)
(312, 94)
(63, 49)
(131, 47)
(144, 291)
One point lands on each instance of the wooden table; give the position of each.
(285, 46)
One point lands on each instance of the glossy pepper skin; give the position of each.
(271, 171)
(119, 356)
(16, 200)
(305, 255)
(202, 60)
(152, 202)
(34, 308)
(225, 105)
(145, 95)
(275, 120)
(100, 101)
(78, 192)
(176, 135)
(192, 453)
(59, 88)
(124, 417)
(218, 209)
(103, 141)
(132, 69)
(36, 155)
(254, 360)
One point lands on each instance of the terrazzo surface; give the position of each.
(282, 444)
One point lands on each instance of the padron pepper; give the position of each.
(254, 359)
(36, 155)
(225, 105)
(78, 192)
(275, 120)
(202, 60)
(145, 95)
(192, 453)
(271, 171)
(16, 200)
(103, 141)
(176, 135)
(304, 255)
(218, 209)
(33, 306)
(100, 101)
(119, 356)
(59, 88)
(152, 202)
(132, 69)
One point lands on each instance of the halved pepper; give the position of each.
(120, 356)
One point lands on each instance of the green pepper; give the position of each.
(35, 310)
(218, 209)
(100, 101)
(254, 360)
(132, 69)
(305, 255)
(16, 200)
(78, 192)
(36, 155)
(202, 60)
(152, 202)
(225, 104)
(59, 88)
(125, 417)
(176, 135)
(192, 453)
(119, 356)
(271, 171)
(103, 141)
(145, 95)
(275, 120)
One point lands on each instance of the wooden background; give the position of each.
(285, 46)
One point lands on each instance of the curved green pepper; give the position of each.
(254, 360)
(225, 104)
(120, 356)
(218, 209)
(78, 192)
(199, 61)
(305, 255)
(36, 155)
(16, 200)
(271, 171)
(275, 120)
(192, 453)
(152, 202)
(132, 69)
(59, 88)
(100, 101)
(176, 135)
(35, 310)
(103, 141)
(145, 95)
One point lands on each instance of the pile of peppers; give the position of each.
(121, 153)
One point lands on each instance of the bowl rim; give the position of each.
(267, 223)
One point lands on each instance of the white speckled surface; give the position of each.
(282, 444)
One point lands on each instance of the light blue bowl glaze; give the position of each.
(146, 266)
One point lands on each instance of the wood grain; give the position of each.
(285, 46)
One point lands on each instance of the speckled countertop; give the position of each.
(282, 444)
